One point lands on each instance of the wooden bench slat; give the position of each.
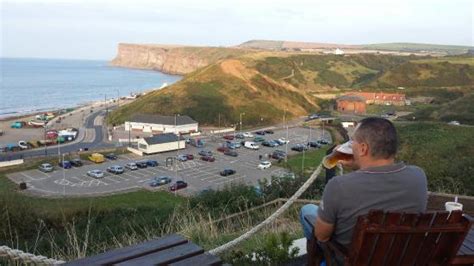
(449, 243)
(165, 257)
(385, 240)
(126, 253)
(429, 244)
(199, 260)
(369, 240)
(399, 243)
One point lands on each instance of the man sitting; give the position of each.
(378, 182)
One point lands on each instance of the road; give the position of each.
(96, 142)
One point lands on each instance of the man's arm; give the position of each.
(323, 230)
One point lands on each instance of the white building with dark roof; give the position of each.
(181, 124)
(161, 143)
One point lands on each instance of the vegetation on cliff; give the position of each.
(265, 84)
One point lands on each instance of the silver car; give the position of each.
(95, 173)
(46, 167)
(131, 166)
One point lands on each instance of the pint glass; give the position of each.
(342, 153)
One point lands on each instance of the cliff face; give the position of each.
(170, 59)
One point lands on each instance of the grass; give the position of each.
(305, 166)
(445, 153)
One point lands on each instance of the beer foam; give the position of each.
(345, 148)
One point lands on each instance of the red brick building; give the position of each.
(352, 104)
(381, 98)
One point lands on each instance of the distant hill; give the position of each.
(420, 47)
(263, 84)
(393, 47)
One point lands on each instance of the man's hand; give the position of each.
(323, 230)
(349, 164)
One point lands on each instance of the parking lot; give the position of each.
(198, 174)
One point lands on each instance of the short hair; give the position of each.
(381, 136)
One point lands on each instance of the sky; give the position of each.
(91, 29)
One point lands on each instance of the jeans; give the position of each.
(310, 211)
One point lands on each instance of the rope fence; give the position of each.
(272, 217)
(15, 254)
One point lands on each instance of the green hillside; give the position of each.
(263, 84)
(445, 153)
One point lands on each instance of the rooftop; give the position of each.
(162, 138)
(164, 120)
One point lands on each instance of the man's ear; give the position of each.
(364, 149)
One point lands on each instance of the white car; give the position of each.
(248, 135)
(95, 173)
(251, 145)
(264, 165)
(131, 166)
(283, 140)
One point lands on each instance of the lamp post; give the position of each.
(241, 121)
(45, 146)
(287, 139)
(64, 179)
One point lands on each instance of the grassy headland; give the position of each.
(263, 84)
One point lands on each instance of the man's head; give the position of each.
(375, 139)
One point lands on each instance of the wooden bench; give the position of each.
(169, 250)
(394, 238)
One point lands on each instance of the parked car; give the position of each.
(208, 158)
(323, 142)
(264, 165)
(159, 181)
(261, 132)
(65, 164)
(299, 147)
(251, 145)
(269, 131)
(141, 164)
(115, 169)
(233, 144)
(314, 144)
(46, 167)
(266, 143)
(111, 156)
(205, 153)
(222, 149)
(131, 166)
(231, 153)
(95, 173)
(178, 185)
(152, 163)
(190, 156)
(258, 139)
(182, 157)
(283, 141)
(76, 162)
(279, 155)
(248, 135)
(229, 137)
(239, 136)
(97, 158)
(227, 172)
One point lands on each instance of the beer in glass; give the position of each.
(341, 153)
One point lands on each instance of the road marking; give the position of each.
(127, 174)
(230, 180)
(111, 179)
(43, 173)
(118, 176)
(28, 177)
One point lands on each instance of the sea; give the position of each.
(37, 85)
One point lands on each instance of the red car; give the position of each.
(178, 185)
(190, 156)
(222, 149)
(208, 158)
(229, 137)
